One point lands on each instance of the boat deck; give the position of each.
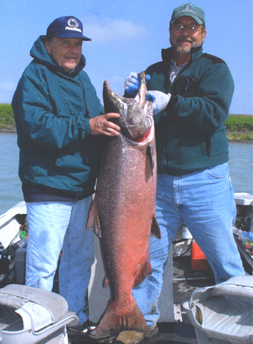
(185, 280)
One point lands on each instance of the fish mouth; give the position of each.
(107, 85)
(107, 88)
(112, 96)
(113, 102)
(136, 114)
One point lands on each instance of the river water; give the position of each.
(240, 165)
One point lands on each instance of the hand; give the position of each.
(132, 83)
(101, 125)
(160, 100)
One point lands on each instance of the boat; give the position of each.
(191, 275)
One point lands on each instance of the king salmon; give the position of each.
(123, 210)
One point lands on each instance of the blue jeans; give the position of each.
(204, 201)
(56, 226)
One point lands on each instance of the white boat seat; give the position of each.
(30, 315)
(223, 313)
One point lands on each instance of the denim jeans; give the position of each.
(204, 201)
(56, 226)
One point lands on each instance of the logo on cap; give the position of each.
(187, 8)
(72, 22)
(73, 25)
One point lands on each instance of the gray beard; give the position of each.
(184, 51)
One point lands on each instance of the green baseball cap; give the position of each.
(189, 10)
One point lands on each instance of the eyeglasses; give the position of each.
(191, 29)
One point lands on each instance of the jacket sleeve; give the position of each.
(208, 108)
(36, 115)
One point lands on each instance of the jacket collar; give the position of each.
(167, 54)
(39, 53)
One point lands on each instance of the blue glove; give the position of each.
(160, 100)
(132, 83)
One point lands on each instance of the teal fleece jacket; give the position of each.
(190, 133)
(52, 110)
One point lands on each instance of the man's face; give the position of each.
(185, 34)
(65, 51)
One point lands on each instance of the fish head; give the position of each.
(136, 114)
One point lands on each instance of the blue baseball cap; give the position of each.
(66, 27)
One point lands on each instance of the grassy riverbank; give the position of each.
(239, 127)
(7, 122)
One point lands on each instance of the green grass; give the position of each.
(239, 127)
(6, 116)
(239, 137)
(239, 123)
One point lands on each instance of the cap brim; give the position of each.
(198, 20)
(72, 35)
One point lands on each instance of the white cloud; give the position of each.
(112, 30)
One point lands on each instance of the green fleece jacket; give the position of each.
(190, 133)
(52, 111)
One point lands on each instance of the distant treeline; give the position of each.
(239, 127)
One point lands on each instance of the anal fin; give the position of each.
(143, 273)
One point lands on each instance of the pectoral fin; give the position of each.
(93, 222)
(155, 229)
(150, 156)
(150, 163)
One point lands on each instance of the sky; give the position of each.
(127, 36)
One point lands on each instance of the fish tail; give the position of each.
(115, 321)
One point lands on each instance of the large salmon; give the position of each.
(123, 210)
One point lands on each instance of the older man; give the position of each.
(194, 90)
(58, 117)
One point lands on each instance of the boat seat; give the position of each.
(223, 313)
(29, 315)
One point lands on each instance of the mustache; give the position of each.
(183, 39)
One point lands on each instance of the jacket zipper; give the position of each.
(170, 88)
